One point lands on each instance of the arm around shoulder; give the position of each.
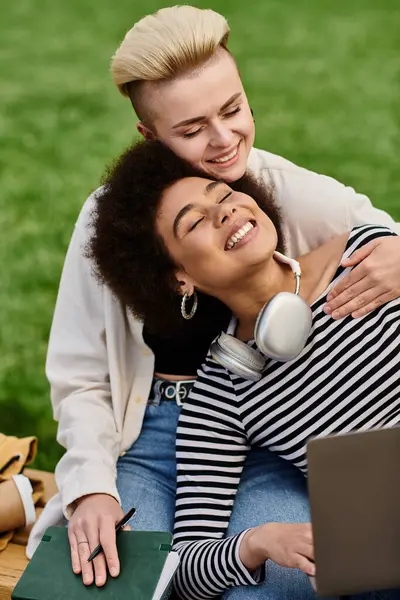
(314, 207)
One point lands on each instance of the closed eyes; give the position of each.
(194, 225)
(227, 115)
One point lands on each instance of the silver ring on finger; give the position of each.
(83, 547)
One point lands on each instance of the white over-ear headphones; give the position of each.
(281, 332)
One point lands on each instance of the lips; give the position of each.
(238, 231)
(226, 157)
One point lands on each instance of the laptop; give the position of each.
(354, 490)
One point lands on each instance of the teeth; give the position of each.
(226, 158)
(239, 235)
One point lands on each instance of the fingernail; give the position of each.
(329, 297)
(327, 310)
(86, 579)
(114, 571)
(335, 314)
(100, 580)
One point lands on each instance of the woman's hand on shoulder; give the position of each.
(93, 523)
(287, 544)
(374, 280)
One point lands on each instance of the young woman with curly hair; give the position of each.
(207, 237)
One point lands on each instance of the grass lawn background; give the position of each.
(324, 83)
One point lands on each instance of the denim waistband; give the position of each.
(165, 390)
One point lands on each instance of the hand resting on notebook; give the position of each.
(93, 523)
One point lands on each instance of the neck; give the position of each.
(251, 293)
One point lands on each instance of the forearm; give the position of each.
(315, 208)
(87, 430)
(209, 567)
(78, 372)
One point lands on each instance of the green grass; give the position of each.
(323, 80)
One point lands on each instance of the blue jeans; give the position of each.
(270, 490)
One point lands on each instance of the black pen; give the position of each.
(118, 526)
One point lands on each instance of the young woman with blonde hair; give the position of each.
(116, 385)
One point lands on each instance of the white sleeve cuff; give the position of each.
(91, 479)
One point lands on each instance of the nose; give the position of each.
(222, 213)
(221, 136)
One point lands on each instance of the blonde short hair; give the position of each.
(168, 43)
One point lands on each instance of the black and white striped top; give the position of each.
(346, 378)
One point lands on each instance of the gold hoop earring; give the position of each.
(189, 315)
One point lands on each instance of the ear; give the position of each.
(144, 131)
(185, 283)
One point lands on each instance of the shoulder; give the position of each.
(292, 179)
(314, 207)
(213, 382)
(358, 237)
(76, 259)
(212, 401)
(83, 224)
(363, 234)
(261, 162)
(85, 216)
(213, 373)
(301, 193)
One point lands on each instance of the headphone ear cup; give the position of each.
(237, 357)
(283, 326)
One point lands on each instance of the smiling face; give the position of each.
(217, 237)
(204, 117)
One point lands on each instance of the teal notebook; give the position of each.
(147, 568)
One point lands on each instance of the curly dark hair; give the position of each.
(128, 254)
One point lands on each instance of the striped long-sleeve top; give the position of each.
(347, 378)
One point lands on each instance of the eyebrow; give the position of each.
(180, 216)
(207, 190)
(212, 185)
(194, 120)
